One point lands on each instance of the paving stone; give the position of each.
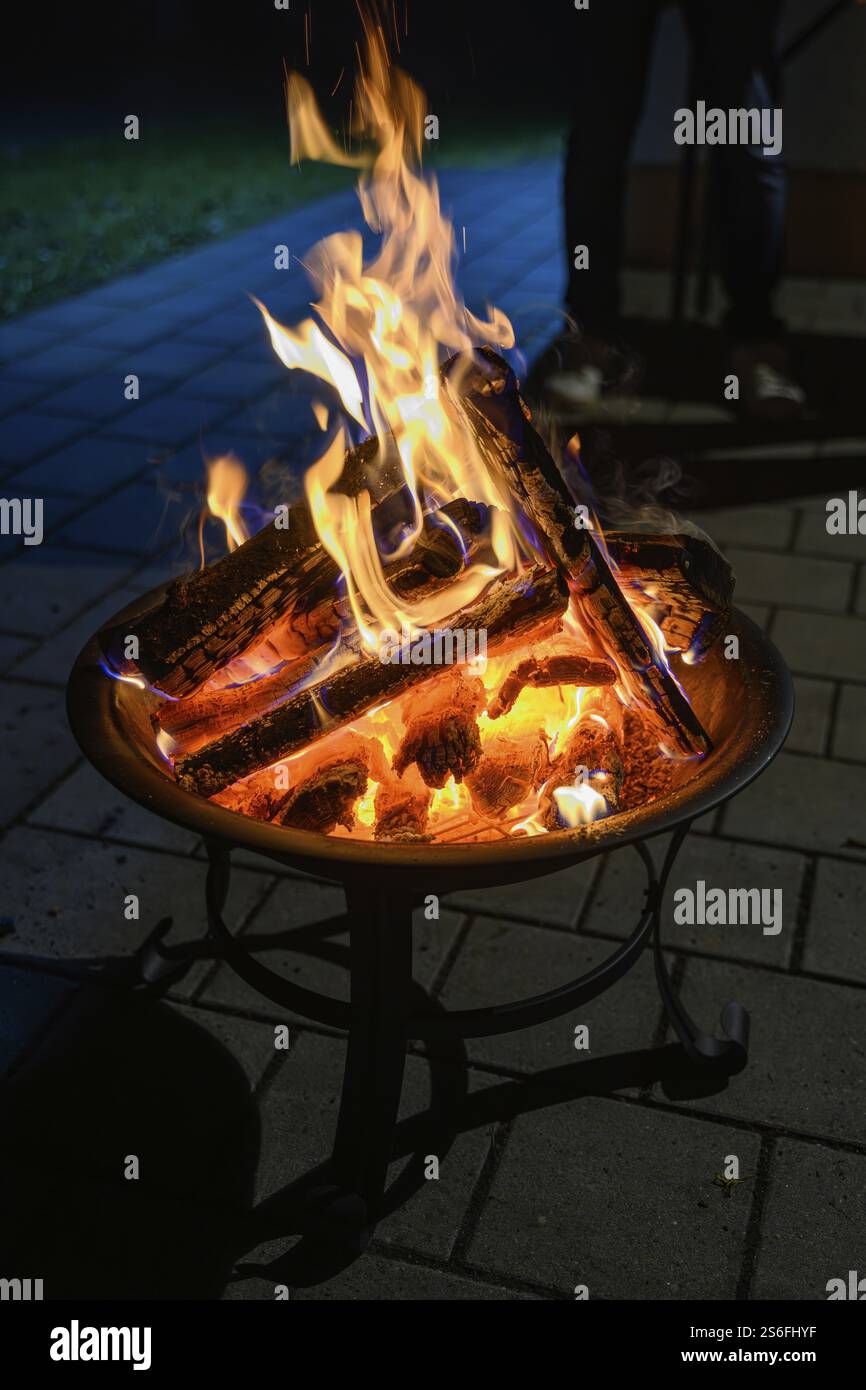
(721, 864)
(814, 1225)
(250, 1044)
(84, 802)
(12, 649)
(836, 932)
(174, 360)
(807, 1058)
(170, 420)
(500, 962)
(54, 658)
(36, 747)
(697, 413)
(813, 704)
(791, 579)
(86, 468)
(64, 361)
(849, 734)
(18, 340)
(821, 644)
(39, 598)
(758, 612)
(99, 398)
(555, 899)
(28, 1003)
(621, 1198)
(26, 435)
(807, 803)
(68, 894)
(299, 1112)
(79, 312)
(372, 1279)
(317, 955)
(814, 538)
(128, 332)
(135, 521)
(233, 381)
(15, 395)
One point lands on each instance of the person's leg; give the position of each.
(738, 68)
(613, 41)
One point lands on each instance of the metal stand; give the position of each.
(379, 1023)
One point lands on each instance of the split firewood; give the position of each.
(210, 618)
(689, 579)
(562, 668)
(442, 736)
(508, 770)
(270, 794)
(208, 715)
(510, 611)
(258, 796)
(591, 757)
(327, 797)
(402, 805)
(485, 389)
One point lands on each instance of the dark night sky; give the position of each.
(181, 55)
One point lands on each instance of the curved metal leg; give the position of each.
(729, 1052)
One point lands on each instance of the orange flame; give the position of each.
(382, 329)
(226, 488)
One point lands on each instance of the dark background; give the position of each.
(186, 55)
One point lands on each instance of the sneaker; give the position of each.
(767, 389)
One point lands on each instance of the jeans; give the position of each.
(737, 65)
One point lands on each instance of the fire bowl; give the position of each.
(746, 705)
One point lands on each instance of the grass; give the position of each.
(77, 214)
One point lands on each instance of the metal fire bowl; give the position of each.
(746, 705)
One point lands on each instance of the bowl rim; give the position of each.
(97, 710)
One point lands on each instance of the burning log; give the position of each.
(327, 798)
(402, 805)
(486, 390)
(442, 736)
(314, 622)
(508, 770)
(207, 619)
(509, 611)
(684, 574)
(588, 767)
(258, 796)
(565, 668)
(269, 795)
(206, 716)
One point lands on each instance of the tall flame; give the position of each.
(383, 327)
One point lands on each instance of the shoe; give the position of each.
(584, 373)
(767, 389)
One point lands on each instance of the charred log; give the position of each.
(507, 772)
(509, 610)
(486, 390)
(442, 737)
(566, 668)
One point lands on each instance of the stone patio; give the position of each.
(563, 1168)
